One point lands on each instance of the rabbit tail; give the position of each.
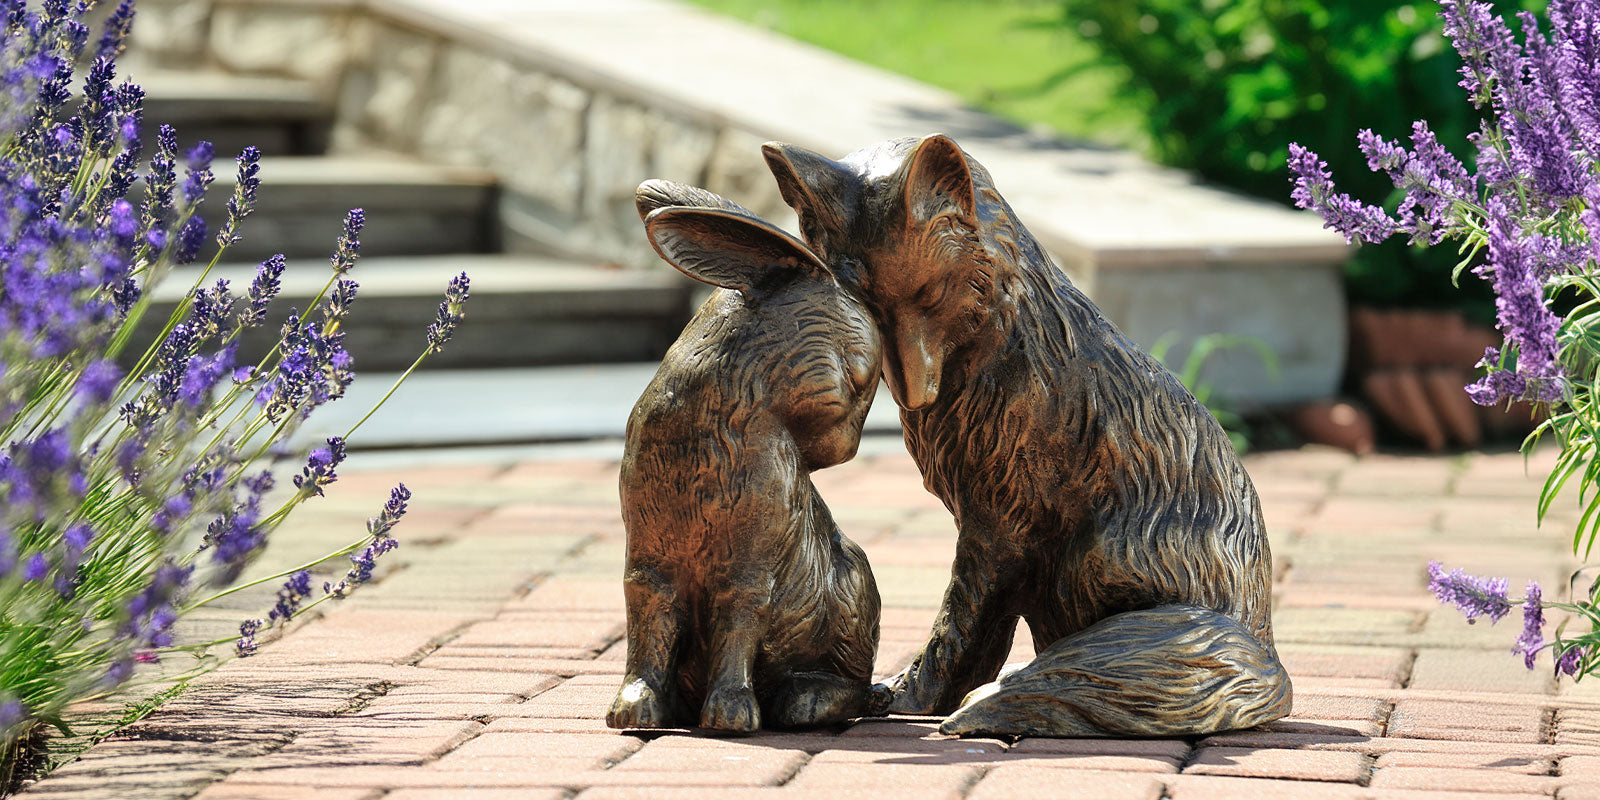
(1174, 670)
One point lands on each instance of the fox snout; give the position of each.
(914, 360)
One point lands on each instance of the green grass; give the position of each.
(1012, 58)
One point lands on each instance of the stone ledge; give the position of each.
(1077, 196)
(1143, 240)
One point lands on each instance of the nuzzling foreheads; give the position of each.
(915, 229)
(785, 336)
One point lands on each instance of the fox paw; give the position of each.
(912, 693)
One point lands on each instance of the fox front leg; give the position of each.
(971, 635)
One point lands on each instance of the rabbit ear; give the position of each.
(726, 248)
(657, 193)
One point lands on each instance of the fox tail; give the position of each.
(1174, 670)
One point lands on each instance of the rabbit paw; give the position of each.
(731, 708)
(639, 705)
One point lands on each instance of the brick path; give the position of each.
(481, 664)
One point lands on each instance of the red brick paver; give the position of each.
(481, 664)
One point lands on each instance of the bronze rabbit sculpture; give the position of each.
(1095, 497)
(746, 605)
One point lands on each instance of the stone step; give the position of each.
(524, 310)
(509, 406)
(412, 208)
(280, 116)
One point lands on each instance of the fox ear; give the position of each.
(657, 193)
(727, 248)
(938, 178)
(812, 185)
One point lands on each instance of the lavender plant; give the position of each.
(129, 498)
(1531, 207)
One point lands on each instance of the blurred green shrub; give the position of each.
(1190, 373)
(1228, 84)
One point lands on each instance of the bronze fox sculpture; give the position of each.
(746, 605)
(1095, 497)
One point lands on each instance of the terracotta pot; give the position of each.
(1398, 395)
(1457, 413)
(1412, 366)
(1336, 424)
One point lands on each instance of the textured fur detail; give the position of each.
(1189, 663)
(746, 604)
(1087, 483)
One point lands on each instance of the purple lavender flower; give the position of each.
(190, 239)
(349, 248)
(35, 568)
(319, 469)
(1499, 386)
(362, 564)
(344, 294)
(99, 381)
(77, 538)
(95, 117)
(1532, 639)
(12, 714)
(1573, 59)
(75, 34)
(202, 376)
(1474, 596)
(314, 369)
(161, 180)
(125, 167)
(55, 75)
(118, 673)
(391, 513)
(211, 310)
(1524, 316)
(243, 200)
(1313, 189)
(114, 38)
(1382, 154)
(1486, 46)
(197, 175)
(293, 592)
(47, 455)
(235, 536)
(262, 290)
(16, 12)
(150, 612)
(450, 314)
(126, 293)
(1570, 660)
(172, 362)
(173, 511)
(1539, 138)
(1435, 183)
(246, 646)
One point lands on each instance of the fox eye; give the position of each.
(811, 232)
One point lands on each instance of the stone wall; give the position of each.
(568, 152)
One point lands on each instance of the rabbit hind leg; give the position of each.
(815, 699)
